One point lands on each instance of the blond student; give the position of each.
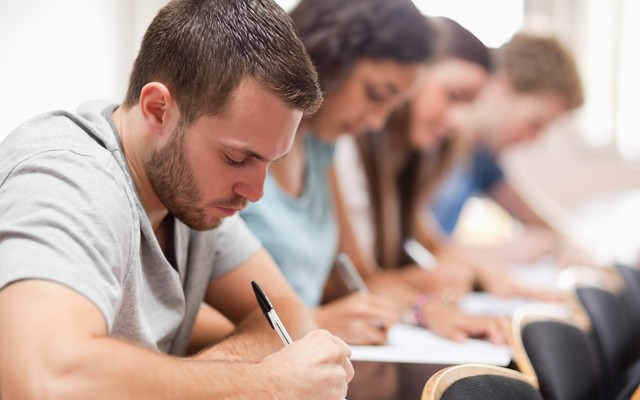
(536, 83)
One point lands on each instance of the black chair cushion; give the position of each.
(565, 361)
(490, 387)
(631, 297)
(629, 382)
(610, 326)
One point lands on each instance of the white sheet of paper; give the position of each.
(409, 344)
(481, 303)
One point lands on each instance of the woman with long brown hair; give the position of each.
(385, 179)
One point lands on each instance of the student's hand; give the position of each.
(314, 367)
(359, 319)
(529, 246)
(449, 277)
(447, 320)
(571, 254)
(496, 280)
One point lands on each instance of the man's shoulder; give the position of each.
(53, 131)
(68, 137)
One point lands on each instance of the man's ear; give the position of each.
(156, 103)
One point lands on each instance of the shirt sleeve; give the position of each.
(65, 218)
(486, 170)
(234, 244)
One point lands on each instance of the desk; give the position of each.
(409, 344)
(390, 381)
(399, 370)
(609, 226)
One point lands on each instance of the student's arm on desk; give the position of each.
(444, 317)
(506, 196)
(540, 237)
(489, 271)
(359, 319)
(253, 338)
(54, 345)
(400, 286)
(395, 281)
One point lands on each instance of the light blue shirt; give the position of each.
(301, 233)
(464, 182)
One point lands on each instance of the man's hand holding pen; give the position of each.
(321, 366)
(321, 359)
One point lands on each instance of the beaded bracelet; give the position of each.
(414, 315)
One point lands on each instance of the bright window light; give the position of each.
(628, 123)
(492, 21)
(477, 16)
(287, 5)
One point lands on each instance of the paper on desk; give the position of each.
(482, 303)
(540, 275)
(409, 344)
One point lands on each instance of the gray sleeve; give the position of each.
(65, 218)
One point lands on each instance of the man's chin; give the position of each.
(200, 225)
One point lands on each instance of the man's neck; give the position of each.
(133, 145)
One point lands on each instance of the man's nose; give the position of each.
(252, 186)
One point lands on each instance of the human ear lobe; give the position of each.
(155, 101)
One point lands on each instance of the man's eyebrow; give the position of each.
(252, 154)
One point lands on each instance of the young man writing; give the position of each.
(116, 222)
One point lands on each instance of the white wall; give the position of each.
(57, 54)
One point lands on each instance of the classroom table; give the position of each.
(399, 369)
(609, 226)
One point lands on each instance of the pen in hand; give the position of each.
(352, 279)
(270, 313)
(350, 274)
(419, 254)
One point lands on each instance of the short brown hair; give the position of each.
(202, 49)
(536, 63)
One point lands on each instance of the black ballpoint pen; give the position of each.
(270, 313)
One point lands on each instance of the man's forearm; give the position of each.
(254, 338)
(106, 368)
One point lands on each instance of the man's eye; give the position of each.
(234, 163)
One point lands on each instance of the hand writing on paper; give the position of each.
(359, 319)
(316, 366)
(496, 280)
(449, 321)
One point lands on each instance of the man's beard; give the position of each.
(173, 181)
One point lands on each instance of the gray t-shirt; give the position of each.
(70, 213)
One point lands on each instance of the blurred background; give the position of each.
(58, 54)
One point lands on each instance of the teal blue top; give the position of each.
(301, 233)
